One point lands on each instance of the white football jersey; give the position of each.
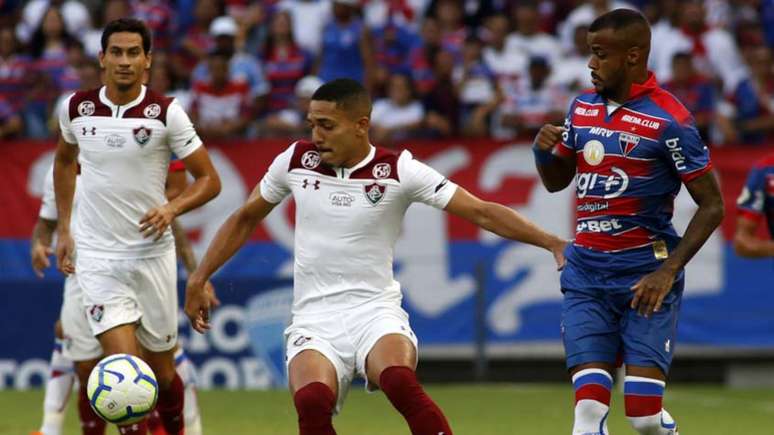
(124, 157)
(347, 222)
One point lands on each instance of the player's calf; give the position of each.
(592, 401)
(402, 388)
(314, 404)
(644, 401)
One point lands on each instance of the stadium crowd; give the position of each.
(438, 68)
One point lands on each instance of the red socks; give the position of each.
(91, 423)
(402, 388)
(314, 404)
(170, 407)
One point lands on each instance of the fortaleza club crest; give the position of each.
(374, 193)
(142, 135)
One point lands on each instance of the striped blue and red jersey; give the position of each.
(631, 161)
(757, 199)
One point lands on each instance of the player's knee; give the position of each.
(314, 400)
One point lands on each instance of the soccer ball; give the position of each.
(122, 389)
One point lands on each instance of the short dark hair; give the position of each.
(131, 25)
(618, 19)
(348, 94)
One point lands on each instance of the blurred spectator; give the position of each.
(399, 116)
(161, 80)
(528, 38)
(392, 46)
(285, 62)
(159, 17)
(572, 71)
(309, 19)
(111, 10)
(441, 103)
(221, 107)
(89, 77)
(11, 124)
(695, 91)
(753, 99)
(507, 64)
(379, 14)
(15, 67)
(198, 39)
(476, 89)
(347, 50)
(291, 121)
(422, 56)
(449, 14)
(243, 67)
(530, 102)
(472, 13)
(75, 16)
(584, 15)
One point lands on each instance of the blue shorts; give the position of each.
(598, 324)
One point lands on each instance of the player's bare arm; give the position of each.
(206, 186)
(229, 238)
(747, 243)
(649, 292)
(505, 222)
(40, 245)
(65, 171)
(555, 171)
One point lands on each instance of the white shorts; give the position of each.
(346, 338)
(79, 342)
(143, 290)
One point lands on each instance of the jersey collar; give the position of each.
(365, 161)
(641, 89)
(119, 110)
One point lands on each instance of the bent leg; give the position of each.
(592, 383)
(314, 386)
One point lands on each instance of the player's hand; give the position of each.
(210, 289)
(40, 261)
(548, 136)
(65, 247)
(557, 248)
(156, 221)
(650, 290)
(197, 305)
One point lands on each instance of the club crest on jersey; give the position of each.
(86, 108)
(310, 159)
(374, 193)
(142, 135)
(594, 152)
(628, 143)
(382, 170)
(96, 312)
(152, 111)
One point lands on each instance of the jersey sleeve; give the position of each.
(685, 151)
(48, 202)
(751, 201)
(182, 137)
(274, 185)
(64, 121)
(423, 183)
(566, 147)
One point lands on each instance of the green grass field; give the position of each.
(472, 409)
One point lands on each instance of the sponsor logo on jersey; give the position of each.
(310, 159)
(115, 141)
(582, 111)
(641, 121)
(341, 199)
(593, 207)
(315, 184)
(594, 152)
(628, 142)
(676, 151)
(92, 130)
(96, 312)
(441, 185)
(374, 193)
(152, 111)
(382, 170)
(86, 108)
(598, 226)
(614, 184)
(142, 135)
(601, 131)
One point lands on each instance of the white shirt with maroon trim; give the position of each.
(124, 157)
(347, 222)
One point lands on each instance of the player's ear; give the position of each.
(101, 57)
(148, 60)
(362, 125)
(633, 55)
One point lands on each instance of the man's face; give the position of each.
(607, 62)
(335, 132)
(124, 60)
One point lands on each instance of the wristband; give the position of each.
(542, 157)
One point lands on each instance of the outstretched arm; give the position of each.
(229, 238)
(504, 222)
(747, 244)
